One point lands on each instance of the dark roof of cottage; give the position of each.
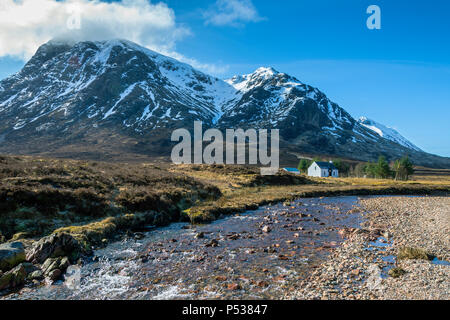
(326, 165)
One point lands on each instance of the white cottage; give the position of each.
(323, 170)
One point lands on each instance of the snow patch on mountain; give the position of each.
(387, 133)
(280, 86)
(247, 82)
(184, 79)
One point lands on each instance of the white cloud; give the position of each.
(27, 24)
(232, 13)
(212, 69)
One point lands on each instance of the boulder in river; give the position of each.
(200, 235)
(233, 236)
(13, 278)
(139, 236)
(60, 263)
(54, 275)
(36, 275)
(11, 254)
(213, 243)
(55, 245)
(413, 254)
(29, 267)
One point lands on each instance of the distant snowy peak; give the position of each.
(261, 76)
(387, 133)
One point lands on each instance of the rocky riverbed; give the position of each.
(261, 254)
(319, 248)
(401, 252)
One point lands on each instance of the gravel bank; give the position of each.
(359, 268)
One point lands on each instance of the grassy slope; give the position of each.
(40, 195)
(239, 196)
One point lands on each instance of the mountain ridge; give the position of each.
(387, 132)
(115, 96)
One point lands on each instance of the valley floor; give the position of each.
(48, 202)
(402, 252)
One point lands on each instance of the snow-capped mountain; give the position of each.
(387, 132)
(98, 83)
(109, 98)
(268, 98)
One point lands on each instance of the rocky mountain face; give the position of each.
(113, 98)
(106, 83)
(387, 133)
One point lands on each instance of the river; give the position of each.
(261, 254)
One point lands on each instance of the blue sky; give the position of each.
(399, 75)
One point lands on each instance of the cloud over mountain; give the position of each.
(232, 13)
(26, 24)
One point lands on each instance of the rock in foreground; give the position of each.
(55, 245)
(11, 254)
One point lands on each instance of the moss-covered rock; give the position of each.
(60, 263)
(396, 272)
(13, 278)
(20, 236)
(55, 245)
(36, 275)
(95, 232)
(413, 254)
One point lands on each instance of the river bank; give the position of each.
(401, 252)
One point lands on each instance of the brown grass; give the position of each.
(39, 196)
